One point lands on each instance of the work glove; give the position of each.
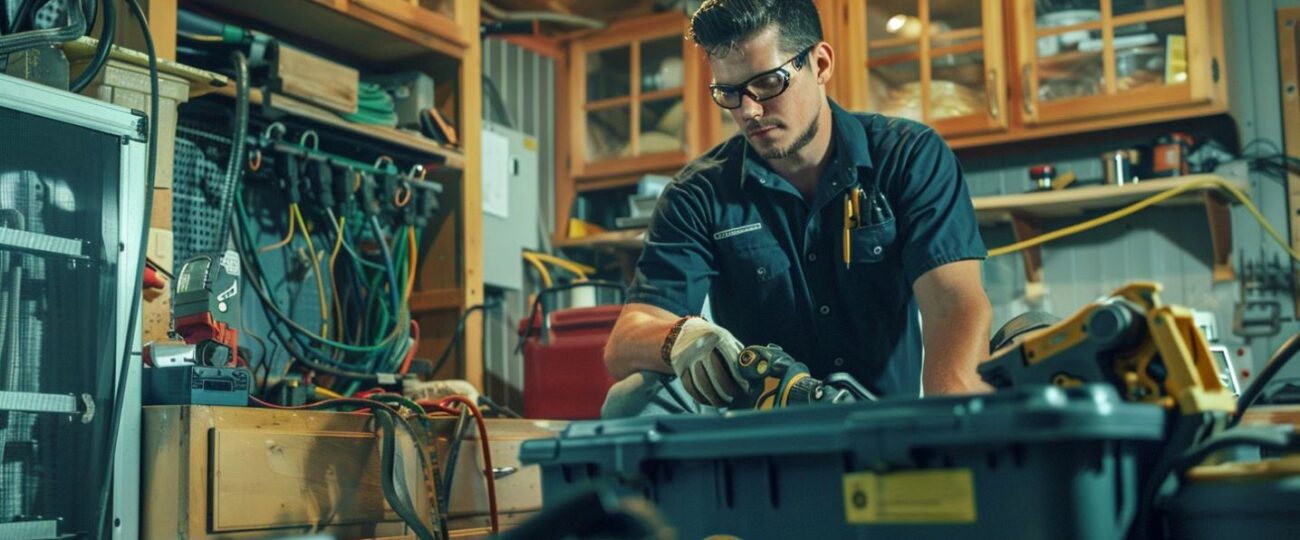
(705, 357)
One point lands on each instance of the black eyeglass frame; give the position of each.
(798, 60)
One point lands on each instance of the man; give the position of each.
(758, 225)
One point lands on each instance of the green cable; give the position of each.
(382, 345)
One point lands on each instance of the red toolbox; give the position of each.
(564, 369)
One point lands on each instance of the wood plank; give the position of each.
(565, 150)
(435, 300)
(923, 10)
(1108, 69)
(452, 158)
(631, 239)
(1153, 15)
(1076, 201)
(664, 162)
(348, 29)
(1220, 221)
(318, 81)
(202, 82)
(1025, 228)
(471, 240)
(1288, 37)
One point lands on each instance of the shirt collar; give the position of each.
(849, 143)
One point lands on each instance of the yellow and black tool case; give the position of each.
(1031, 463)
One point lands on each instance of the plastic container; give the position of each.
(1033, 463)
(564, 372)
(1258, 507)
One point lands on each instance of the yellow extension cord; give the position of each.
(315, 261)
(1134, 208)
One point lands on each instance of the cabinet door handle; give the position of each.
(991, 89)
(1026, 90)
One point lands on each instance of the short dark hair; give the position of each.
(721, 25)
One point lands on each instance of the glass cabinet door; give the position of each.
(662, 100)
(635, 99)
(935, 61)
(608, 103)
(1085, 58)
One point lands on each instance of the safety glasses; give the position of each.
(762, 87)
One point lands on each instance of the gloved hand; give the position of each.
(705, 358)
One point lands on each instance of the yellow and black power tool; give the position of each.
(1150, 351)
(777, 380)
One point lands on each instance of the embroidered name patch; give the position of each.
(737, 231)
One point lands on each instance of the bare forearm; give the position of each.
(956, 341)
(637, 340)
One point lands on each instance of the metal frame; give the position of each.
(130, 127)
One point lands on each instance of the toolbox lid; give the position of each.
(882, 432)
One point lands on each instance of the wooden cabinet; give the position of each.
(1110, 57)
(998, 71)
(634, 90)
(940, 62)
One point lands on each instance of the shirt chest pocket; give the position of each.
(755, 259)
(871, 244)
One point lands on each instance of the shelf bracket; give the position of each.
(1026, 228)
(1220, 222)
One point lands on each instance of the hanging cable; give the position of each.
(293, 224)
(105, 45)
(103, 523)
(1134, 208)
(315, 261)
(236, 160)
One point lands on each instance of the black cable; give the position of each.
(274, 313)
(18, 41)
(1273, 437)
(500, 409)
(133, 315)
(453, 454)
(1281, 357)
(24, 12)
(91, 10)
(388, 448)
(235, 163)
(105, 45)
(460, 330)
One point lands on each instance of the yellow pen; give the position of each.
(848, 222)
(857, 207)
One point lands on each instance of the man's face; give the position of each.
(780, 126)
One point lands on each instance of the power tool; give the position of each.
(207, 369)
(1150, 351)
(779, 380)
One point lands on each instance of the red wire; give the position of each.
(415, 345)
(487, 454)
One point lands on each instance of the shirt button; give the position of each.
(762, 181)
(825, 310)
(762, 271)
(812, 257)
(839, 362)
(877, 250)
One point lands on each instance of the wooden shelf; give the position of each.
(452, 158)
(201, 82)
(1074, 202)
(626, 240)
(1025, 212)
(364, 29)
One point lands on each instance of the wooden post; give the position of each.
(471, 199)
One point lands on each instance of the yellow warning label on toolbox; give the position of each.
(939, 496)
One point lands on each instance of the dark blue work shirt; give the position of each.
(772, 263)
